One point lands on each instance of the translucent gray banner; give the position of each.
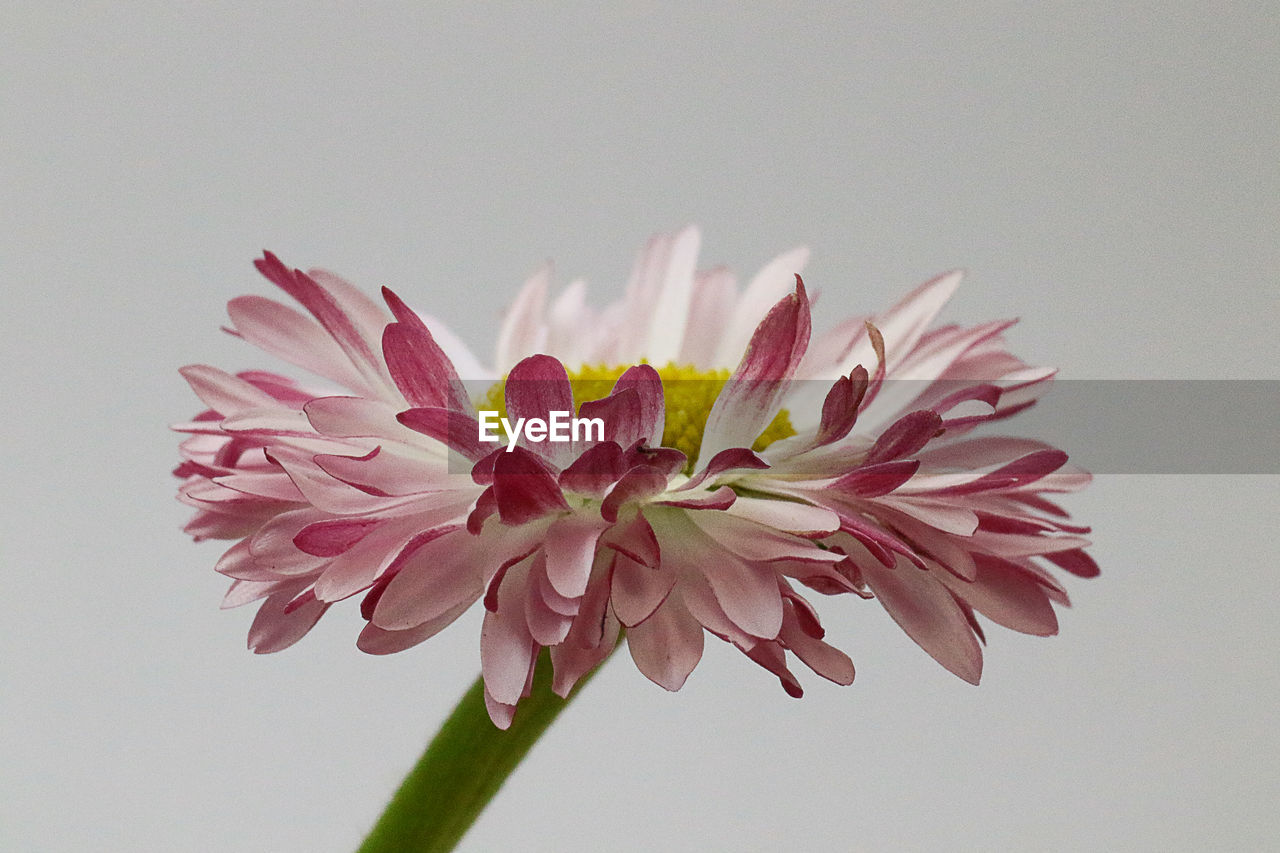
(1114, 426)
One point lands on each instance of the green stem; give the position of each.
(464, 766)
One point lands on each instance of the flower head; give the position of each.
(738, 459)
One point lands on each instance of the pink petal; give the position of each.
(595, 470)
(636, 590)
(507, 651)
(326, 309)
(383, 551)
(547, 626)
(907, 435)
(524, 489)
(772, 283)
(570, 548)
(871, 481)
(750, 399)
(330, 538)
(792, 516)
(377, 641)
(926, 611)
(755, 542)
(435, 578)
(224, 393)
(647, 384)
(572, 660)
(840, 408)
(638, 541)
(622, 416)
(242, 592)
(418, 365)
(288, 335)
(275, 629)
(352, 417)
(747, 591)
(458, 431)
(636, 485)
(722, 498)
(274, 485)
(1077, 562)
(535, 388)
(726, 460)
(326, 493)
(1007, 596)
(771, 656)
(501, 713)
(666, 646)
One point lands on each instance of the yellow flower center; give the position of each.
(688, 391)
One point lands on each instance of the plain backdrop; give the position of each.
(1108, 172)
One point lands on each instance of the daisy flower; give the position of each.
(738, 462)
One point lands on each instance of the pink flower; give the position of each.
(741, 459)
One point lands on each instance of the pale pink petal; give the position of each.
(669, 309)
(274, 485)
(792, 516)
(275, 629)
(377, 641)
(546, 625)
(755, 542)
(637, 590)
(507, 651)
(436, 577)
(523, 331)
(567, 320)
(746, 590)
(242, 592)
(331, 315)
(904, 324)
(714, 295)
(772, 283)
(224, 393)
(570, 548)
(722, 498)
(663, 273)
(666, 646)
(637, 540)
(287, 334)
(927, 612)
(1008, 596)
(572, 660)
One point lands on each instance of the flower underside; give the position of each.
(688, 393)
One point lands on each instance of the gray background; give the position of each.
(1110, 175)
